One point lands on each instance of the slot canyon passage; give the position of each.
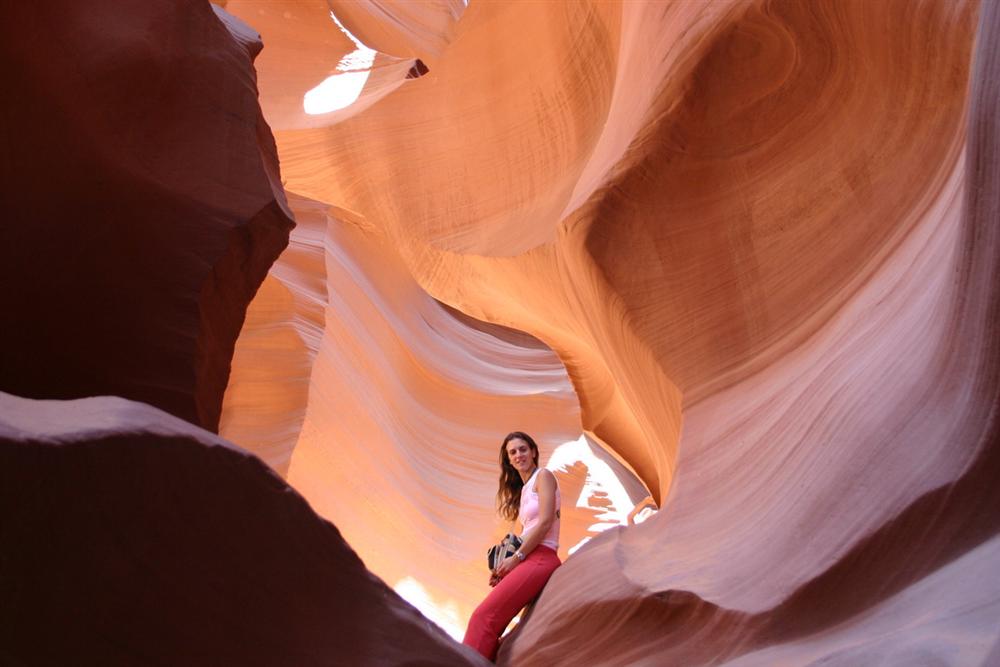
(279, 275)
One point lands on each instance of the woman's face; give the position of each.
(520, 455)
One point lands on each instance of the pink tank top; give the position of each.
(529, 513)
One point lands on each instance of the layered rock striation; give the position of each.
(747, 230)
(385, 409)
(733, 260)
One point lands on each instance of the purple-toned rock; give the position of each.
(142, 204)
(131, 537)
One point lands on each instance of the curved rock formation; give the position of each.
(327, 61)
(142, 201)
(142, 539)
(268, 389)
(686, 270)
(740, 227)
(386, 409)
(739, 255)
(835, 506)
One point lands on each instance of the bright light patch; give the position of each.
(445, 615)
(602, 481)
(341, 90)
(335, 93)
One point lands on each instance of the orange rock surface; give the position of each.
(734, 263)
(744, 229)
(395, 435)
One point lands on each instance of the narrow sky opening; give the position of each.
(342, 89)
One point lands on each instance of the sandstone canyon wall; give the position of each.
(734, 261)
(143, 209)
(744, 229)
(134, 538)
(401, 388)
(143, 202)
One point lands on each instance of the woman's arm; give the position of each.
(545, 485)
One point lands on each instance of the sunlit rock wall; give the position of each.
(758, 237)
(311, 58)
(265, 401)
(394, 431)
(837, 506)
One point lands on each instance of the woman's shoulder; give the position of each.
(545, 476)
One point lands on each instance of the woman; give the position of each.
(531, 494)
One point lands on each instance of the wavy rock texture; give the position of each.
(756, 239)
(268, 388)
(141, 539)
(684, 272)
(760, 238)
(142, 201)
(392, 423)
(306, 49)
(422, 29)
(858, 461)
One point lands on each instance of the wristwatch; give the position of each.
(520, 555)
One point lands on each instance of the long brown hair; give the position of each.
(509, 493)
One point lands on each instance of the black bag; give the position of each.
(508, 547)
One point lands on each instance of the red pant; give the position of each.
(507, 598)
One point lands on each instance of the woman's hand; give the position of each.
(494, 580)
(505, 568)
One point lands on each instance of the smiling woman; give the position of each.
(531, 494)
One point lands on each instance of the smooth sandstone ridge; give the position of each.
(142, 539)
(759, 236)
